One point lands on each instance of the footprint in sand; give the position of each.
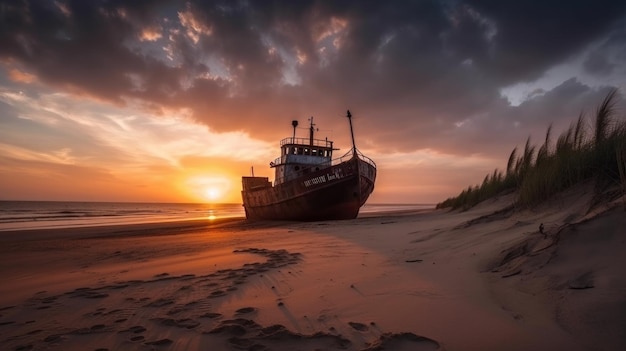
(211, 315)
(403, 341)
(245, 310)
(358, 326)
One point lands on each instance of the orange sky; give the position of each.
(174, 102)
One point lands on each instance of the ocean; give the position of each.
(24, 215)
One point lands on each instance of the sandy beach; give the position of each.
(484, 279)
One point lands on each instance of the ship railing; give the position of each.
(283, 160)
(350, 154)
(306, 141)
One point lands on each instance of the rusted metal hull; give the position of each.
(336, 192)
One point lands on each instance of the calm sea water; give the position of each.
(21, 215)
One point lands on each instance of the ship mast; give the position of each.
(349, 115)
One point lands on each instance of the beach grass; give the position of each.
(585, 151)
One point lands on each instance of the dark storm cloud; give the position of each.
(418, 73)
(507, 126)
(81, 49)
(534, 35)
(609, 54)
(597, 63)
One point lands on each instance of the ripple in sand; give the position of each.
(358, 326)
(183, 299)
(52, 338)
(247, 334)
(228, 329)
(159, 342)
(211, 315)
(186, 323)
(136, 329)
(161, 302)
(217, 293)
(245, 310)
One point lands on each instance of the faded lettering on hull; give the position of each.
(323, 178)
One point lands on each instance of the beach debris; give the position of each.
(413, 260)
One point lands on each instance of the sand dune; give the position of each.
(485, 279)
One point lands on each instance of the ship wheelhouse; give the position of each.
(300, 156)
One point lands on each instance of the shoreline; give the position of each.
(423, 280)
(170, 227)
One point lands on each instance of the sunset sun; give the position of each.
(213, 193)
(209, 188)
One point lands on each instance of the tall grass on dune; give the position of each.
(620, 154)
(582, 152)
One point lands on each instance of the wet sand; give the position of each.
(485, 279)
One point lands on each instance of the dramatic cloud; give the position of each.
(441, 76)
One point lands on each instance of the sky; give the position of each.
(173, 101)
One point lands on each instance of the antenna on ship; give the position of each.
(312, 129)
(349, 115)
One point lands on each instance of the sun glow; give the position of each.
(212, 193)
(209, 188)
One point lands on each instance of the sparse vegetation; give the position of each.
(578, 155)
